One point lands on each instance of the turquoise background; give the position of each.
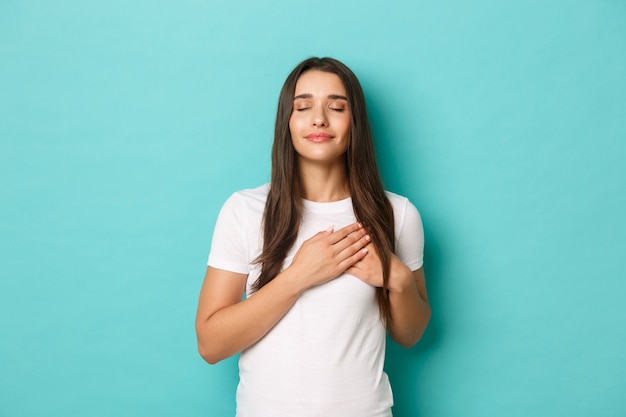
(125, 125)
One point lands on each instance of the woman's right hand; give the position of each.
(226, 325)
(328, 254)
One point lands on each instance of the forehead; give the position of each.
(318, 82)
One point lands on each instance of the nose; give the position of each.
(319, 118)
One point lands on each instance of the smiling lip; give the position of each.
(318, 137)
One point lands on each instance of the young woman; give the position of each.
(327, 259)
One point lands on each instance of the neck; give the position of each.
(323, 183)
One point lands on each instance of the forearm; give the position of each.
(410, 311)
(235, 327)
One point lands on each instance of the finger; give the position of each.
(346, 236)
(353, 243)
(353, 259)
(356, 267)
(350, 240)
(345, 231)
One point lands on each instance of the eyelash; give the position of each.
(307, 108)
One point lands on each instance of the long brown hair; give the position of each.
(283, 209)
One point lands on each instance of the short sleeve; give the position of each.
(229, 247)
(410, 236)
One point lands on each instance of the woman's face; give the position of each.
(320, 118)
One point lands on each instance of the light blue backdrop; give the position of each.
(125, 125)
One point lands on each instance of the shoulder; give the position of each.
(404, 211)
(258, 194)
(396, 200)
(245, 204)
(401, 205)
(250, 197)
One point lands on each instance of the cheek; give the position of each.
(346, 126)
(291, 126)
(294, 124)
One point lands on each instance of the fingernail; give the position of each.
(330, 229)
(367, 237)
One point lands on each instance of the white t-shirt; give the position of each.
(325, 357)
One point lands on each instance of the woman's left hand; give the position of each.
(370, 270)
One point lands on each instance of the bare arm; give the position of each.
(226, 325)
(410, 311)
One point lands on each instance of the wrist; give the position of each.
(293, 280)
(401, 282)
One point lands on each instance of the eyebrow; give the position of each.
(330, 96)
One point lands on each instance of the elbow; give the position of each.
(208, 351)
(411, 340)
(407, 343)
(208, 358)
(208, 355)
